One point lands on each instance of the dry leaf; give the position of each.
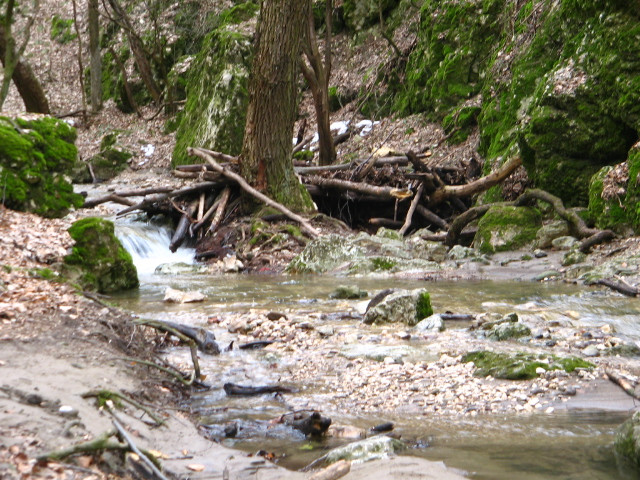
(84, 461)
(196, 467)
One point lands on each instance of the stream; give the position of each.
(569, 443)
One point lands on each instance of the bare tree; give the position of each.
(14, 68)
(266, 152)
(317, 75)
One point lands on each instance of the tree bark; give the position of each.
(95, 56)
(266, 152)
(15, 69)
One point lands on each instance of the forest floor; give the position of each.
(56, 344)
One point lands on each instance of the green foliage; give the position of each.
(61, 30)
(520, 366)
(361, 14)
(236, 14)
(35, 157)
(460, 122)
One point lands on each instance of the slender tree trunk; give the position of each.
(95, 55)
(140, 55)
(15, 69)
(317, 76)
(266, 152)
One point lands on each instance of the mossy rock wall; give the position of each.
(618, 205)
(98, 261)
(36, 158)
(217, 96)
(360, 14)
(505, 228)
(559, 82)
(455, 42)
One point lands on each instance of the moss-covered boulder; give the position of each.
(111, 160)
(400, 306)
(373, 448)
(217, 96)
(36, 158)
(505, 228)
(508, 331)
(98, 261)
(627, 441)
(520, 366)
(549, 232)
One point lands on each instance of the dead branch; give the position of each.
(98, 444)
(621, 287)
(252, 191)
(142, 455)
(183, 226)
(622, 383)
(412, 209)
(432, 217)
(480, 185)
(176, 374)
(387, 193)
(103, 395)
(125, 193)
(222, 205)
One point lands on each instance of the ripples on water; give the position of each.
(564, 445)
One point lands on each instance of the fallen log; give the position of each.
(333, 472)
(387, 193)
(244, 390)
(204, 339)
(125, 193)
(222, 205)
(622, 383)
(202, 153)
(432, 217)
(621, 287)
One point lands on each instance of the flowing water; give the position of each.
(571, 443)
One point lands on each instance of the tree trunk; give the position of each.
(21, 73)
(95, 56)
(317, 75)
(140, 55)
(266, 152)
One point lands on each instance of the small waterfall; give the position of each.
(149, 245)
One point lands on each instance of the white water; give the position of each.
(149, 246)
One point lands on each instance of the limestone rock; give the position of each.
(171, 295)
(373, 448)
(431, 323)
(401, 306)
(505, 228)
(550, 232)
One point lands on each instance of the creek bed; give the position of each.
(569, 443)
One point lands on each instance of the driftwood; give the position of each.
(412, 208)
(183, 227)
(313, 425)
(255, 345)
(619, 286)
(204, 339)
(622, 383)
(206, 155)
(103, 395)
(242, 390)
(484, 183)
(125, 193)
(223, 200)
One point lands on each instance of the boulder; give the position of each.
(508, 331)
(98, 261)
(505, 228)
(37, 156)
(400, 306)
(348, 292)
(627, 441)
(373, 448)
(112, 159)
(431, 323)
(550, 232)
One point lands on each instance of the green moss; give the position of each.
(632, 197)
(455, 42)
(520, 366)
(236, 14)
(217, 96)
(303, 155)
(423, 306)
(61, 30)
(505, 228)
(35, 158)
(97, 260)
(460, 123)
(45, 274)
(361, 14)
(383, 263)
